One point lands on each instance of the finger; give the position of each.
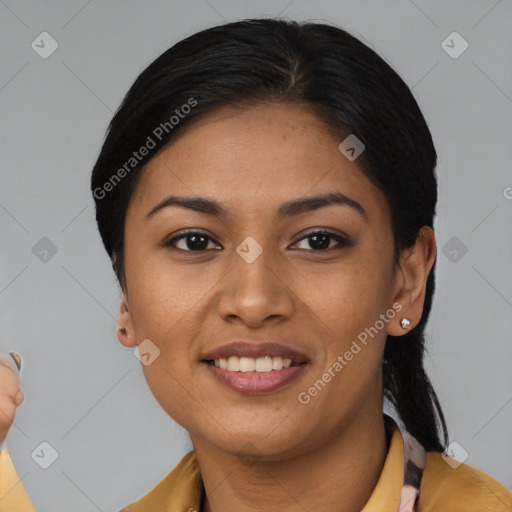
(17, 359)
(9, 375)
(8, 361)
(18, 399)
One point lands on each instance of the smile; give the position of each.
(251, 364)
(252, 376)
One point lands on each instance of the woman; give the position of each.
(266, 193)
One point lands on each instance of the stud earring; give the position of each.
(122, 329)
(405, 322)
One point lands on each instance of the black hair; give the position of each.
(347, 85)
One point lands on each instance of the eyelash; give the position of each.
(342, 241)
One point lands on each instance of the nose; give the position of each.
(257, 292)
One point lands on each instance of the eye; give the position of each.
(192, 241)
(320, 240)
(197, 241)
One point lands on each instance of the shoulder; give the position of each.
(458, 487)
(179, 490)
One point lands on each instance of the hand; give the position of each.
(11, 395)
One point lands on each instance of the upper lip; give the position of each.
(243, 348)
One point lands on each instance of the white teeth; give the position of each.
(247, 364)
(250, 364)
(234, 364)
(264, 364)
(277, 363)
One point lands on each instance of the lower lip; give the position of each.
(256, 383)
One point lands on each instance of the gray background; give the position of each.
(85, 393)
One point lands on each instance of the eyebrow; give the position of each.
(286, 210)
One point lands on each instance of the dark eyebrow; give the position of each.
(308, 204)
(198, 204)
(296, 207)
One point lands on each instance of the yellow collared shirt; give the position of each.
(442, 487)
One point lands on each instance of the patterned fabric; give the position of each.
(414, 464)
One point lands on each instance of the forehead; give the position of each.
(256, 156)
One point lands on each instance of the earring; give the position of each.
(405, 322)
(122, 329)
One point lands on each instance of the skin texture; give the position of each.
(257, 452)
(11, 395)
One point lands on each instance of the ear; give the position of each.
(126, 331)
(411, 280)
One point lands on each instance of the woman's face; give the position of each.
(252, 274)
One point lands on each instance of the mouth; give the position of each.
(255, 368)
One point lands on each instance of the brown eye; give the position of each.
(193, 241)
(321, 241)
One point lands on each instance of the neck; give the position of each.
(339, 474)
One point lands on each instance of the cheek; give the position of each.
(161, 293)
(164, 302)
(170, 384)
(347, 298)
(345, 306)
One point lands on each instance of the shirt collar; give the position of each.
(397, 489)
(399, 484)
